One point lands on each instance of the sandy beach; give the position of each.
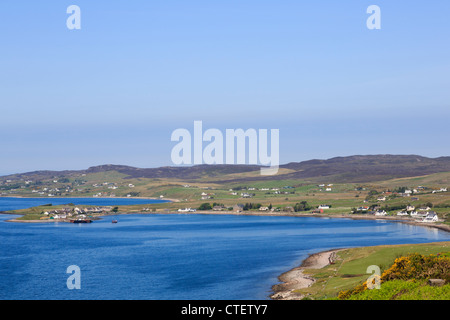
(295, 279)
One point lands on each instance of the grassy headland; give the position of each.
(350, 266)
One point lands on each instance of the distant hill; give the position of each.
(368, 167)
(358, 168)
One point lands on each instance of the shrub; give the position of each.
(205, 206)
(407, 268)
(417, 266)
(344, 295)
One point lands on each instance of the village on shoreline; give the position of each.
(372, 207)
(423, 217)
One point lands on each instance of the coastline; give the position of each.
(295, 279)
(404, 220)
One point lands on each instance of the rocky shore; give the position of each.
(295, 279)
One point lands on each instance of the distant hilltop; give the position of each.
(358, 168)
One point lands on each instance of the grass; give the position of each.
(30, 216)
(351, 266)
(405, 290)
(342, 198)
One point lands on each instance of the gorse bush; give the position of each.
(417, 266)
(409, 268)
(344, 295)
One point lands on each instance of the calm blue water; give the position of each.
(177, 256)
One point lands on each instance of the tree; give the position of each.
(205, 206)
(302, 206)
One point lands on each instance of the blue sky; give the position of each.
(114, 91)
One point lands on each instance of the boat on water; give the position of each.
(114, 221)
(80, 221)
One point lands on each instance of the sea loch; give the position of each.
(177, 256)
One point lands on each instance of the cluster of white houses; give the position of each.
(250, 195)
(440, 190)
(423, 213)
(65, 213)
(327, 187)
(410, 192)
(187, 210)
(206, 196)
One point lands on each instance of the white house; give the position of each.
(383, 198)
(324, 206)
(402, 213)
(381, 213)
(328, 189)
(416, 214)
(440, 190)
(431, 217)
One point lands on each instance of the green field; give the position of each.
(350, 268)
(282, 194)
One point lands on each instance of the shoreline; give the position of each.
(404, 220)
(295, 279)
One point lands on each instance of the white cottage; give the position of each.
(431, 217)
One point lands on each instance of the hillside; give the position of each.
(368, 168)
(357, 169)
(342, 183)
